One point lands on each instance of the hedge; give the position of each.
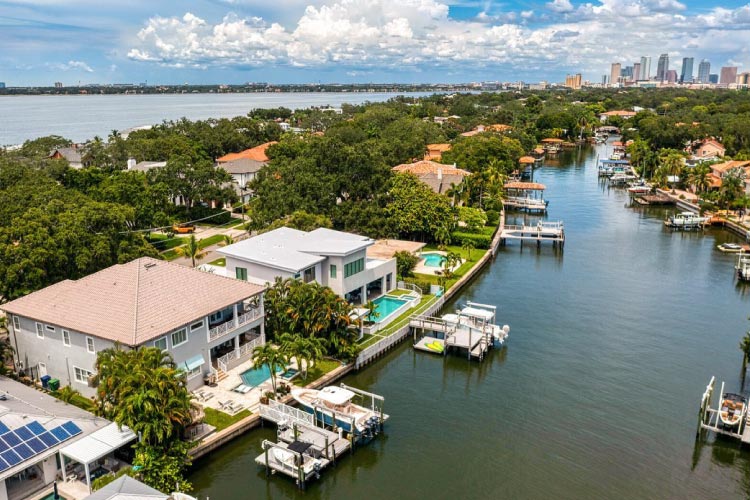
(422, 284)
(201, 212)
(481, 241)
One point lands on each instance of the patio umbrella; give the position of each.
(57, 495)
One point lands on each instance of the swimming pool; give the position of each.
(433, 259)
(385, 306)
(256, 376)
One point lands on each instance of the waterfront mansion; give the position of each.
(332, 258)
(201, 319)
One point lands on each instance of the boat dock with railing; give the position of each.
(309, 441)
(729, 419)
(743, 266)
(553, 231)
(472, 330)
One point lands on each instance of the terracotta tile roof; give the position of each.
(714, 181)
(443, 147)
(499, 127)
(552, 140)
(258, 153)
(619, 113)
(526, 159)
(471, 133)
(729, 165)
(135, 302)
(429, 167)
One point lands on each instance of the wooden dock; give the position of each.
(653, 199)
(542, 231)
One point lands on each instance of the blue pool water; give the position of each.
(433, 259)
(256, 376)
(385, 307)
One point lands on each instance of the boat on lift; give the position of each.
(686, 220)
(732, 409)
(333, 405)
(479, 317)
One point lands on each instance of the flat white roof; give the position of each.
(98, 444)
(293, 250)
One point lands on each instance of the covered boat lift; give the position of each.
(525, 196)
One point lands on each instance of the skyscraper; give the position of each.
(728, 75)
(636, 71)
(671, 76)
(704, 70)
(662, 67)
(686, 75)
(614, 74)
(645, 68)
(627, 73)
(573, 81)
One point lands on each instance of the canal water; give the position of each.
(596, 394)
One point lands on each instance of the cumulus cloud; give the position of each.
(560, 6)
(72, 66)
(363, 35)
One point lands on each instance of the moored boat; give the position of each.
(479, 317)
(730, 247)
(686, 220)
(732, 408)
(333, 405)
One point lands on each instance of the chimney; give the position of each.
(440, 174)
(131, 163)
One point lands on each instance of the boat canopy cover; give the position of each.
(336, 395)
(477, 313)
(614, 162)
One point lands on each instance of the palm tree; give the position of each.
(699, 178)
(268, 355)
(192, 249)
(732, 186)
(6, 350)
(372, 311)
(226, 240)
(468, 246)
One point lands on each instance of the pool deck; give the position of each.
(421, 268)
(223, 392)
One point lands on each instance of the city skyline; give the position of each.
(300, 41)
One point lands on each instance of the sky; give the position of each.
(358, 41)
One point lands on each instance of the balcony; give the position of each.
(228, 327)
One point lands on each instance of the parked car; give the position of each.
(183, 228)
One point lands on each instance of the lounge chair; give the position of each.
(224, 404)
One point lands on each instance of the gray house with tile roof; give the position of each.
(208, 323)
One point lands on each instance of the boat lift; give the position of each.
(710, 420)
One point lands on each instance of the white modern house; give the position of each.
(332, 258)
(206, 322)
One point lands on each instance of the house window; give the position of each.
(240, 273)
(354, 267)
(195, 326)
(16, 323)
(90, 345)
(81, 375)
(179, 337)
(194, 372)
(161, 343)
(388, 282)
(39, 331)
(50, 329)
(309, 275)
(333, 271)
(215, 317)
(66, 338)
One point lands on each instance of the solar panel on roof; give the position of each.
(3, 446)
(60, 433)
(3, 465)
(24, 433)
(36, 428)
(11, 439)
(72, 428)
(3, 428)
(24, 451)
(11, 457)
(49, 439)
(36, 445)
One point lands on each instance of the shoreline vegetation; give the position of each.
(59, 222)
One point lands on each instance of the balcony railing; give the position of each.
(231, 325)
(246, 350)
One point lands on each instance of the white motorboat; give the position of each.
(686, 220)
(732, 409)
(334, 402)
(640, 189)
(283, 456)
(730, 247)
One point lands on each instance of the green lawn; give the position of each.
(162, 242)
(211, 240)
(221, 262)
(398, 291)
(321, 368)
(171, 254)
(221, 420)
